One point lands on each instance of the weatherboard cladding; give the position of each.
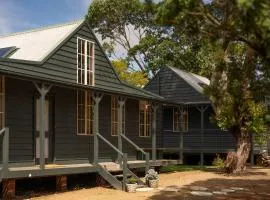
(60, 66)
(68, 145)
(174, 88)
(215, 140)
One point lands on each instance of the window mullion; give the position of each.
(85, 63)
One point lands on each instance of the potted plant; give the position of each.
(131, 184)
(151, 178)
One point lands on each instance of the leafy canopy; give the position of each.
(234, 37)
(135, 78)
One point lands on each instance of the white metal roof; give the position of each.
(35, 45)
(194, 80)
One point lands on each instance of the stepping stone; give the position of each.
(238, 188)
(227, 190)
(160, 188)
(146, 189)
(198, 188)
(220, 193)
(202, 194)
(170, 189)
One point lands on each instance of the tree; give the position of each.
(237, 34)
(122, 22)
(149, 46)
(136, 78)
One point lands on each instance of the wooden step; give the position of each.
(111, 166)
(121, 176)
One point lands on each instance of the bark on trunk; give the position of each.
(236, 161)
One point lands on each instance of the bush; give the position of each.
(219, 162)
(132, 180)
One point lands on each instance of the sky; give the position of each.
(21, 15)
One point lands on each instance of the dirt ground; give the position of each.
(255, 185)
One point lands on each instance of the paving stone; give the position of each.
(202, 194)
(146, 189)
(228, 190)
(160, 188)
(220, 192)
(238, 188)
(198, 188)
(170, 189)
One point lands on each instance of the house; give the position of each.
(188, 127)
(64, 110)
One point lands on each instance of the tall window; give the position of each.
(145, 119)
(85, 62)
(180, 119)
(2, 102)
(114, 129)
(85, 116)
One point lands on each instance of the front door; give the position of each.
(48, 124)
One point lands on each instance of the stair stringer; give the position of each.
(110, 178)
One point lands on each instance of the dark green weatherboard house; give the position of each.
(63, 108)
(187, 128)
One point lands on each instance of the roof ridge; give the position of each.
(43, 28)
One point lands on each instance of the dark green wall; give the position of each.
(215, 140)
(173, 88)
(68, 145)
(19, 118)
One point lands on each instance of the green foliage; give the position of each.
(218, 162)
(181, 168)
(236, 35)
(122, 22)
(136, 78)
(132, 180)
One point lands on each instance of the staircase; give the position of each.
(114, 175)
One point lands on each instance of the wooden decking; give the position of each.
(28, 170)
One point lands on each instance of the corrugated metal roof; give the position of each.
(194, 80)
(36, 44)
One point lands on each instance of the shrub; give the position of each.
(218, 162)
(132, 180)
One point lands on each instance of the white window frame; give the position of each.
(180, 123)
(115, 123)
(149, 112)
(86, 58)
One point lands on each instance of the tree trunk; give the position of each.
(236, 161)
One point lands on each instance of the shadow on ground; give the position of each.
(253, 189)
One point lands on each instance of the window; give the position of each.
(85, 62)
(85, 116)
(145, 119)
(114, 118)
(180, 119)
(2, 102)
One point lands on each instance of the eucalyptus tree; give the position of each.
(236, 33)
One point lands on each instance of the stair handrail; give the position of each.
(5, 145)
(124, 159)
(139, 149)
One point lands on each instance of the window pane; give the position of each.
(88, 48)
(86, 62)
(83, 47)
(79, 46)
